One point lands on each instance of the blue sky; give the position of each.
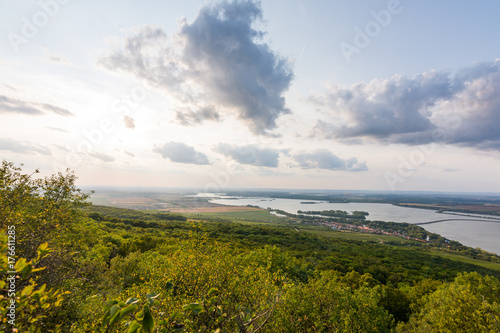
(365, 95)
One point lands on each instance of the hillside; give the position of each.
(109, 269)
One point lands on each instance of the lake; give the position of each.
(470, 231)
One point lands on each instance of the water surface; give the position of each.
(470, 231)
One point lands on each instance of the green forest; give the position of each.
(70, 266)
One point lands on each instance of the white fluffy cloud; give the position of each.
(181, 153)
(325, 159)
(218, 59)
(250, 154)
(461, 109)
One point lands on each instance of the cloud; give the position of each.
(56, 129)
(181, 153)
(102, 157)
(129, 122)
(55, 59)
(219, 58)
(57, 110)
(63, 148)
(11, 105)
(190, 117)
(9, 86)
(129, 153)
(23, 147)
(324, 159)
(250, 154)
(461, 109)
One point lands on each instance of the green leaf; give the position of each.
(105, 319)
(134, 327)
(28, 290)
(127, 310)
(43, 250)
(93, 296)
(23, 267)
(148, 323)
(113, 314)
(151, 297)
(212, 291)
(113, 310)
(132, 300)
(195, 307)
(169, 285)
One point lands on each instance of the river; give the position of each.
(470, 231)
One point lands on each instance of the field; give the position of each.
(457, 257)
(199, 209)
(175, 202)
(491, 209)
(216, 209)
(241, 214)
(246, 215)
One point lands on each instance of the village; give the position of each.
(366, 229)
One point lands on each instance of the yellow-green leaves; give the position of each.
(138, 321)
(471, 303)
(32, 301)
(194, 308)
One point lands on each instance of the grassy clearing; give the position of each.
(458, 257)
(242, 216)
(358, 236)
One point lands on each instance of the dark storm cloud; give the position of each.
(324, 159)
(250, 154)
(461, 109)
(181, 153)
(219, 58)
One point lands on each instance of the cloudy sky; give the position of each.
(354, 95)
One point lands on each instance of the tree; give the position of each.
(47, 210)
(330, 303)
(469, 304)
(30, 308)
(42, 210)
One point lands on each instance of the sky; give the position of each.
(392, 95)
